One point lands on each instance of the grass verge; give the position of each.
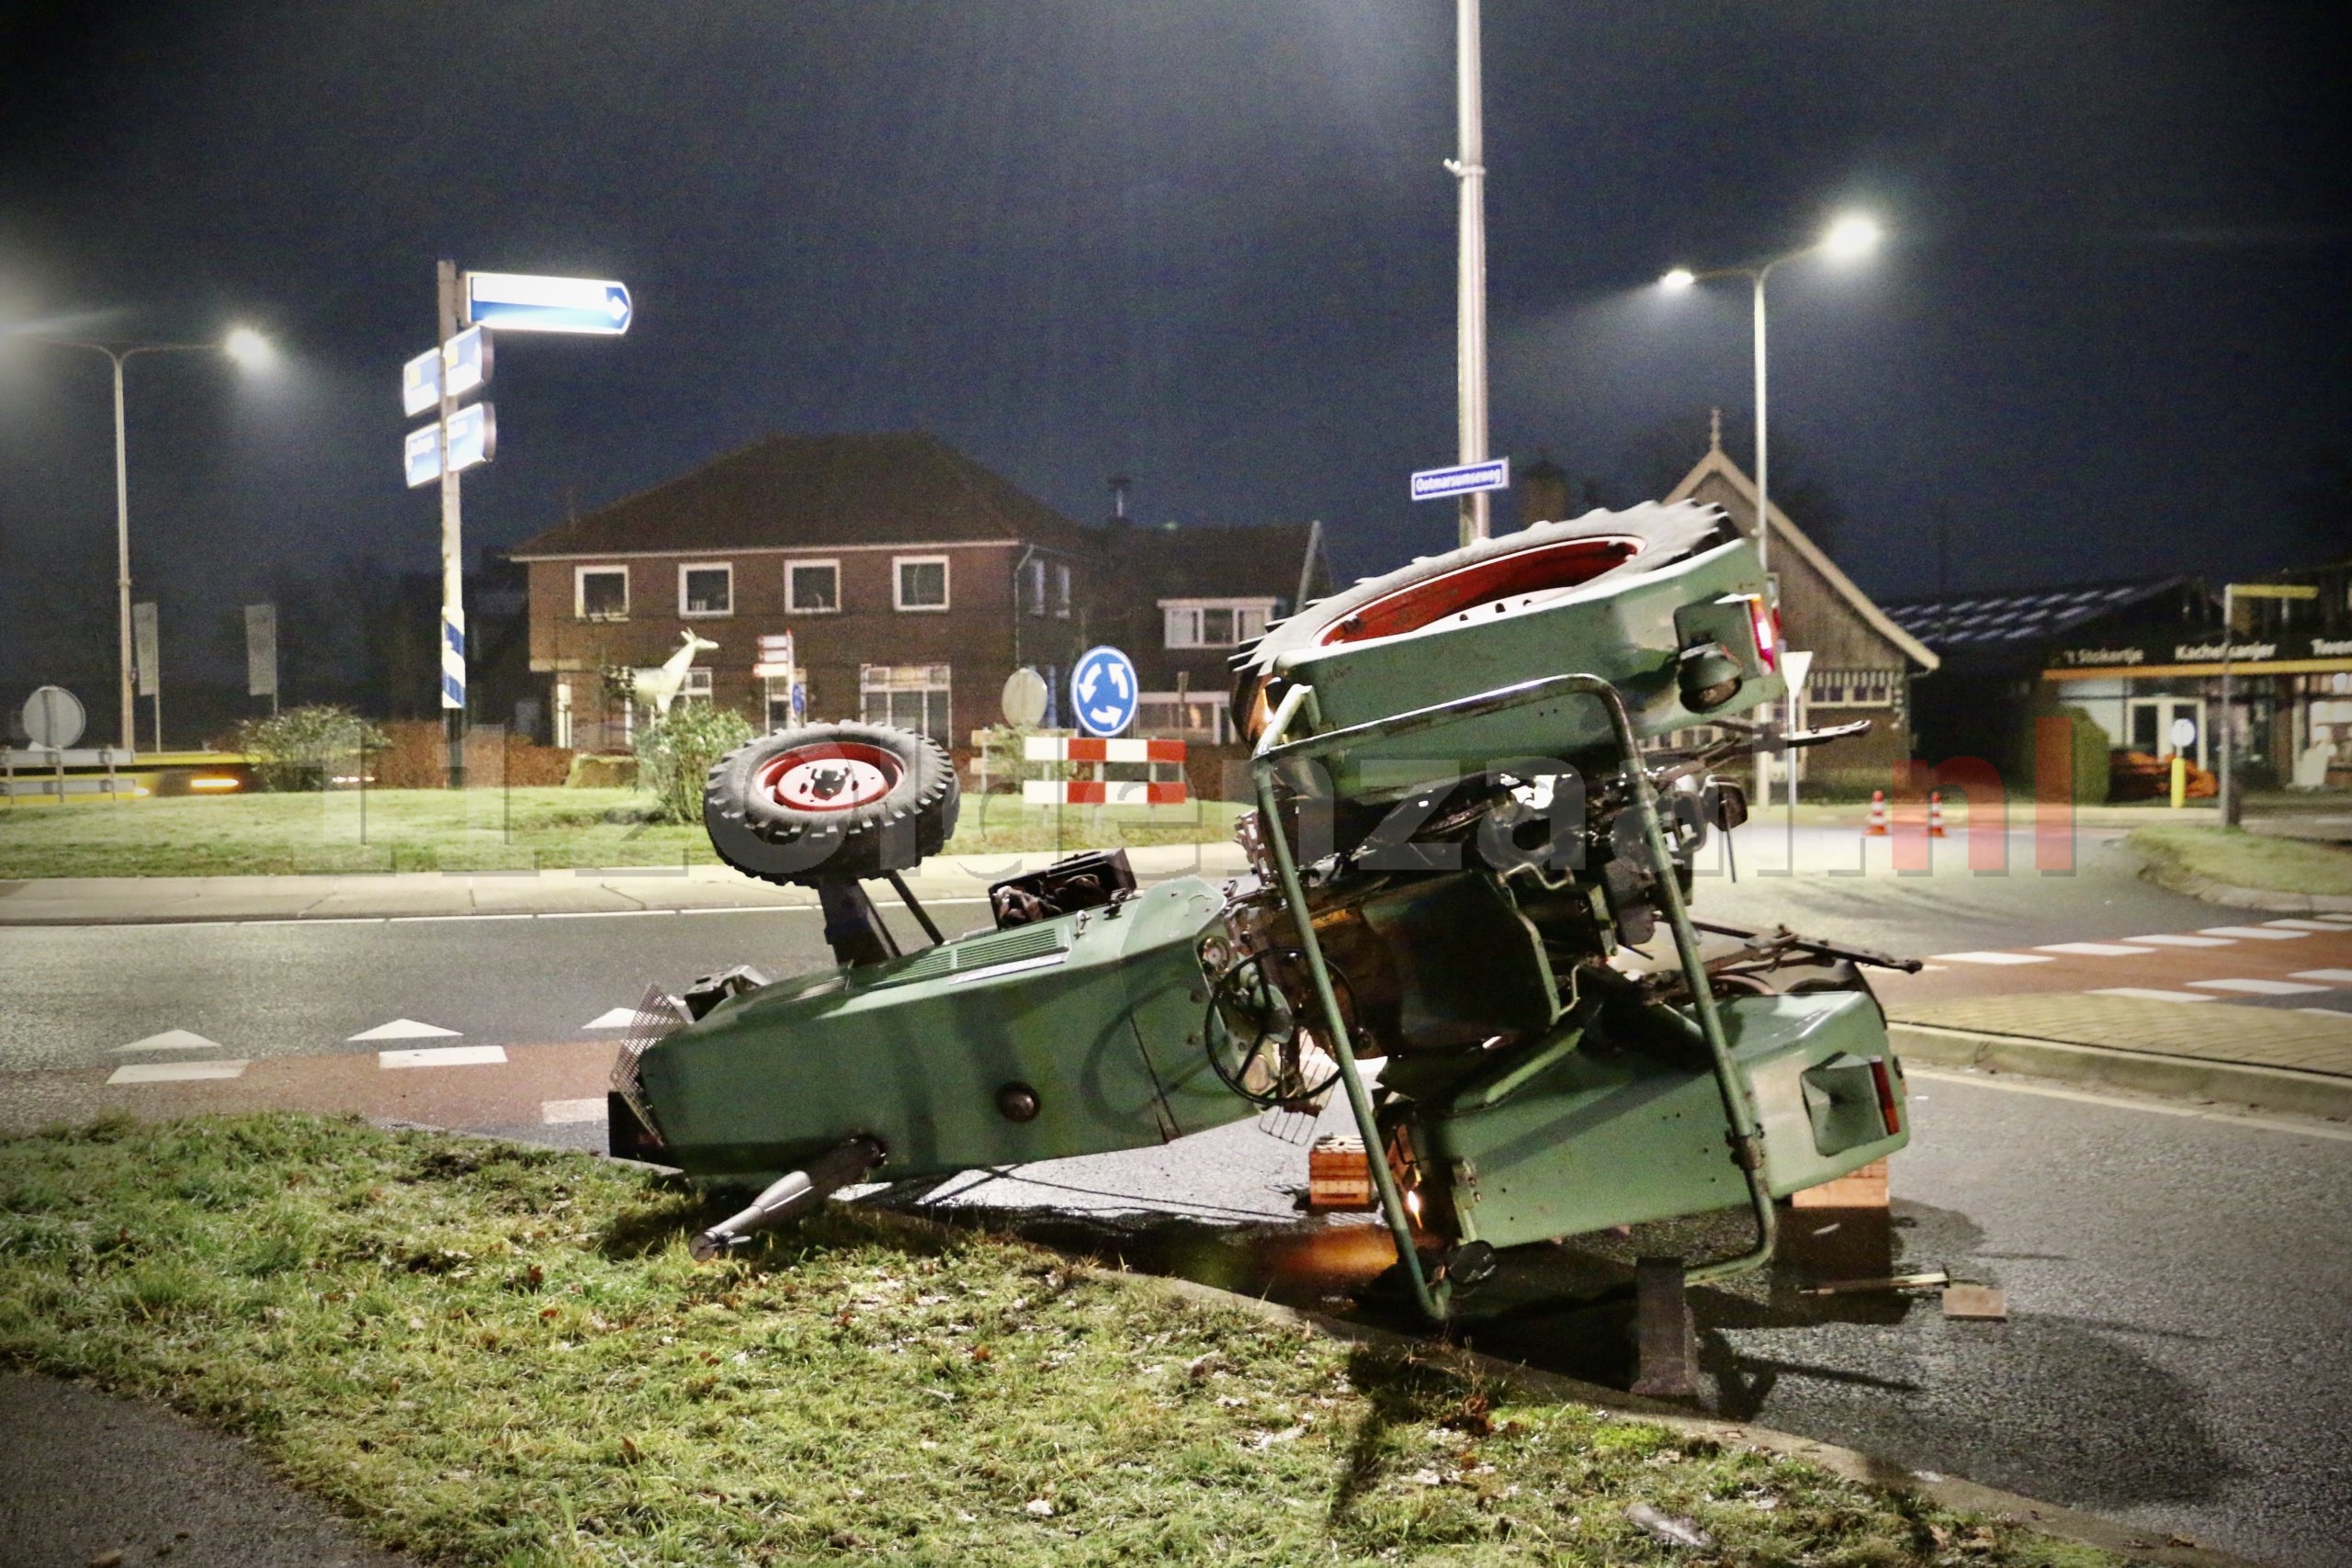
(2238, 859)
(484, 829)
(497, 1355)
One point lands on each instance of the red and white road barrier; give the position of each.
(1097, 792)
(1877, 827)
(1079, 748)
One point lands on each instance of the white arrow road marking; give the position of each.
(2332, 977)
(2260, 987)
(2305, 925)
(566, 1112)
(2260, 934)
(615, 1018)
(2142, 993)
(2174, 939)
(176, 1072)
(1993, 958)
(405, 1028)
(172, 1040)
(2094, 949)
(444, 1056)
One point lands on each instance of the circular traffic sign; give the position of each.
(1102, 692)
(1025, 697)
(53, 718)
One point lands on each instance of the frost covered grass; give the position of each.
(497, 1355)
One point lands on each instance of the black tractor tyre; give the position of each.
(1550, 558)
(830, 802)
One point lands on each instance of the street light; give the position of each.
(1469, 171)
(1849, 238)
(244, 345)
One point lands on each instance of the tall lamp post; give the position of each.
(1469, 170)
(1847, 239)
(244, 345)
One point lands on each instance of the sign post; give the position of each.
(463, 436)
(453, 561)
(779, 660)
(260, 653)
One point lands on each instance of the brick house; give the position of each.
(1179, 601)
(1861, 661)
(896, 562)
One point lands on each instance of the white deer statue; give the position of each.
(658, 689)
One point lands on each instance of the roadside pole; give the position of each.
(1469, 170)
(453, 560)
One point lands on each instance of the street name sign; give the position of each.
(1102, 691)
(420, 383)
(1435, 484)
(513, 301)
(473, 440)
(463, 362)
(776, 659)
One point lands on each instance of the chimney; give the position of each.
(1543, 491)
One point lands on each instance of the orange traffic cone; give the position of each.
(1935, 814)
(1877, 829)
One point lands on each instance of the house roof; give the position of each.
(2022, 615)
(793, 491)
(1223, 561)
(1718, 463)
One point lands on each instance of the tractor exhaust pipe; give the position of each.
(839, 1166)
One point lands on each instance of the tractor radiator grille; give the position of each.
(658, 1016)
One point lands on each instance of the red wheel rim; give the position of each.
(829, 775)
(1519, 575)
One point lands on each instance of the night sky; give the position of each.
(1206, 244)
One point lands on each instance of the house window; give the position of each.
(600, 592)
(1061, 592)
(698, 686)
(1852, 688)
(1033, 586)
(1214, 623)
(706, 588)
(908, 696)
(921, 582)
(812, 587)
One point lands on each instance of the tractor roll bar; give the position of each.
(1746, 1139)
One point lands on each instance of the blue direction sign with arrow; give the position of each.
(513, 302)
(1102, 692)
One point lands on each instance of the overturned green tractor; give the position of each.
(1464, 826)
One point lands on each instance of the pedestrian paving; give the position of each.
(2218, 994)
(2317, 1041)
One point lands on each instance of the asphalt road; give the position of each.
(73, 994)
(2177, 1282)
